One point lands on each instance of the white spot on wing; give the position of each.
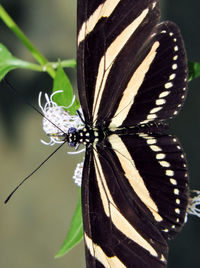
(162, 258)
(176, 48)
(160, 102)
(169, 172)
(160, 156)
(176, 191)
(155, 148)
(153, 5)
(151, 116)
(173, 181)
(164, 94)
(164, 163)
(165, 230)
(177, 210)
(172, 76)
(168, 85)
(155, 110)
(151, 141)
(174, 66)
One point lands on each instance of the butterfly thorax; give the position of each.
(86, 136)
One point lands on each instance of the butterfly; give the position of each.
(132, 76)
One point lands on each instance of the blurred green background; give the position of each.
(34, 223)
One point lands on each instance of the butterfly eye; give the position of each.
(71, 130)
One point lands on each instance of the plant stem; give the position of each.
(64, 63)
(14, 28)
(28, 65)
(35, 67)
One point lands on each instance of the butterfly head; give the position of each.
(72, 137)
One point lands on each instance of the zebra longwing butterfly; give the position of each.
(132, 75)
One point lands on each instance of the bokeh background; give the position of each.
(34, 223)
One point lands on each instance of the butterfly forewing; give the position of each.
(156, 84)
(163, 88)
(103, 36)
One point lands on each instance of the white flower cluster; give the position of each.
(194, 204)
(57, 120)
(78, 174)
(56, 123)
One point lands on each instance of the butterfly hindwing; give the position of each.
(161, 173)
(136, 191)
(111, 238)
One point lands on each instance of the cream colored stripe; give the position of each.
(112, 211)
(133, 176)
(109, 57)
(103, 11)
(103, 188)
(132, 88)
(97, 252)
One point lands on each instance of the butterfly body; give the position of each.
(89, 136)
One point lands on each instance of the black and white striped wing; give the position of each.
(135, 198)
(126, 57)
(104, 29)
(131, 71)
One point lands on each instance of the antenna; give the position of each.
(79, 114)
(25, 179)
(29, 104)
(65, 140)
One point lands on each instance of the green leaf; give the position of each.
(194, 70)
(8, 62)
(61, 82)
(75, 233)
